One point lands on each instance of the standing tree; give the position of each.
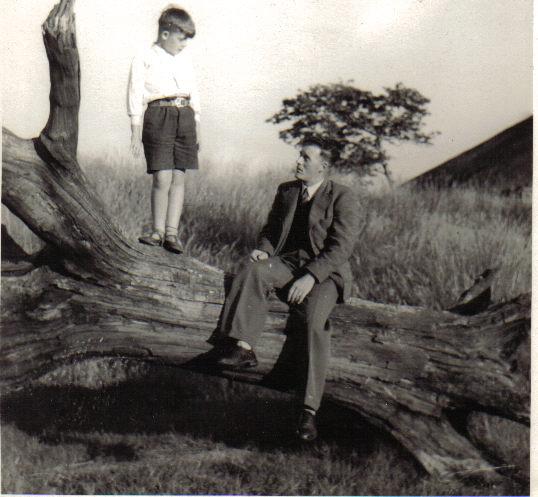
(357, 122)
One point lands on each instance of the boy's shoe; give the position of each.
(172, 243)
(154, 239)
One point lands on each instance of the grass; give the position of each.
(116, 428)
(165, 431)
(418, 248)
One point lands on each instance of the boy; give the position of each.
(163, 77)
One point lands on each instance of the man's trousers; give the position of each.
(246, 308)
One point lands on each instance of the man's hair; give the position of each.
(175, 19)
(329, 151)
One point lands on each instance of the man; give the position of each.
(304, 251)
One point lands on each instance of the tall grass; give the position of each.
(425, 248)
(415, 247)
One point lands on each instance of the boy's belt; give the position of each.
(170, 102)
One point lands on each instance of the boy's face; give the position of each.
(311, 166)
(173, 41)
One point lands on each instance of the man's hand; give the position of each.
(136, 140)
(258, 255)
(300, 288)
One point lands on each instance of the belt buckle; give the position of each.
(180, 102)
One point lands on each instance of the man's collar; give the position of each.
(312, 189)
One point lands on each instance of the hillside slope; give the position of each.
(503, 162)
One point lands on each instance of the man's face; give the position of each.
(173, 41)
(311, 165)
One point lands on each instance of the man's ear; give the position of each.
(164, 35)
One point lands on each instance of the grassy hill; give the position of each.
(504, 162)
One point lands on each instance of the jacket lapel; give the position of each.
(291, 197)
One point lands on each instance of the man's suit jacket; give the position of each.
(332, 223)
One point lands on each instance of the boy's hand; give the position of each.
(198, 136)
(301, 288)
(136, 140)
(258, 255)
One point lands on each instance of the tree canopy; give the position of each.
(358, 123)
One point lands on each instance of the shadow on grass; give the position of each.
(170, 400)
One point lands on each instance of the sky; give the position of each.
(471, 58)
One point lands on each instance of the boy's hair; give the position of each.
(329, 151)
(175, 19)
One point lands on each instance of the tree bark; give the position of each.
(93, 293)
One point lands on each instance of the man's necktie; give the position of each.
(304, 196)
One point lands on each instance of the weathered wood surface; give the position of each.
(95, 293)
(402, 368)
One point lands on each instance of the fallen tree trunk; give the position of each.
(93, 293)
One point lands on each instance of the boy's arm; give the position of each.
(135, 91)
(136, 140)
(193, 83)
(135, 103)
(195, 102)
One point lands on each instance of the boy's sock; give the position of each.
(171, 231)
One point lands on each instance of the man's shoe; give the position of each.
(306, 428)
(236, 357)
(172, 244)
(154, 239)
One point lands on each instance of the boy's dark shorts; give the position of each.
(169, 138)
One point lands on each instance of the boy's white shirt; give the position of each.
(157, 74)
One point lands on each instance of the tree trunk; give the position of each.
(92, 293)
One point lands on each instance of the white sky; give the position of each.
(472, 58)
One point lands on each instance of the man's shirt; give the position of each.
(311, 189)
(155, 74)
